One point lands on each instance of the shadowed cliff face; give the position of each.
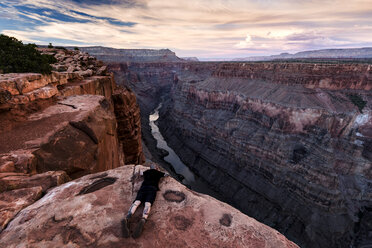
(289, 149)
(285, 143)
(151, 82)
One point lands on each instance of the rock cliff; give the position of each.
(289, 144)
(108, 54)
(80, 214)
(149, 81)
(75, 122)
(286, 143)
(61, 126)
(128, 116)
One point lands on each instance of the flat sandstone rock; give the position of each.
(87, 212)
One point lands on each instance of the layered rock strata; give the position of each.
(281, 111)
(62, 125)
(150, 81)
(108, 54)
(128, 116)
(80, 214)
(286, 143)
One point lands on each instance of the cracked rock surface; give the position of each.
(87, 212)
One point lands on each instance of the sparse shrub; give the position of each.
(15, 57)
(357, 101)
(76, 48)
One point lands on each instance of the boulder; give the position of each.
(102, 70)
(8, 86)
(47, 180)
(5, 96)
(77, 135)
(20, 161)
(86, 73)
(42, 93)
(11, 202)
(87, 212)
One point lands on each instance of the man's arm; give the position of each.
(162, 174)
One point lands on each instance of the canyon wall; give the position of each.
(149, 82)
(288, 144)
(74, 122)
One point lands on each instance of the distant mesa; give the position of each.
(349, 53)
(194, 59)
(108, 54)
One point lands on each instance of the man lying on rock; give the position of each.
(146, 194)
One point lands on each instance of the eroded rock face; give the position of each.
(87, 212)
(77, 135)
(74, 137)
(57, 126)
(26, 93)
(88, 136)
(128, 116)
(286, 148)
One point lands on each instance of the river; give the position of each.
(189, 178)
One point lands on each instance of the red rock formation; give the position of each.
(129, 125)
(18, 190)
(80, 214)
(62, 122)
(11, 202)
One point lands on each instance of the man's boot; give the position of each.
(125, 228)
(139, 228)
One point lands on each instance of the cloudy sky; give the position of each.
(202, 28)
